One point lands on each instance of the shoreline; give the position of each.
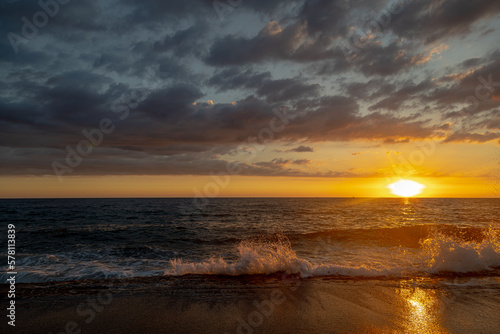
(256, 304)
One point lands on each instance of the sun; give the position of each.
(406, 188)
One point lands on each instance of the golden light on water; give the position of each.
(422, 311)
(406, 188)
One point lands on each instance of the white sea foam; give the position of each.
(446, 254)
(438, 254)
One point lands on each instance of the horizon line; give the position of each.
(231, 197)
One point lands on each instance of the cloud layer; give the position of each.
(187, 85)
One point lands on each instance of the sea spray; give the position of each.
(439, 253)
(444, 253)
(265, 255)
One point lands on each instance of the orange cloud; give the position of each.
(428, 54)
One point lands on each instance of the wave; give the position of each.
(447, 254)
(438, 254)
(439, 250)
(99, 264)
(408, 236)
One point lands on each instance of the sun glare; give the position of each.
(406, 188)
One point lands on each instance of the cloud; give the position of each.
(273, 90)
(301, 149)
(323, 16)
(291, 42)
(472, 137)
(287, 90)
(429, 53)
(396, 141)
(301, 161)
(197, 87)
(431, 20)
(234, 78)
(183, 42)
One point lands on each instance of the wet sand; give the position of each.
(278, 304)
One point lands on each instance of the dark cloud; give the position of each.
(408, 91)
(273, 90)
(273, 163)
(174, 69)
(117, 162)
(432, 20)
(184, 42)
(301, 161)
(155, 11)
(171, 104)
(110, 62)
(273, 42)
(281, 162)
(167, 123)
(472, 137)
(267, 7)
(396, 141)
(325, 16)
(302, 148)
(287, 90)
(475, 90)
(234, 78)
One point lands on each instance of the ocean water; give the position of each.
(78, 239)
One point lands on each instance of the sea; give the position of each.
(343, 238)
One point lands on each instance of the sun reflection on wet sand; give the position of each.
(423, 310)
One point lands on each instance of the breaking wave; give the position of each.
(439, 253)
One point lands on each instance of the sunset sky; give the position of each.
(249, 98)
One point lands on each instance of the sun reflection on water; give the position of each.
(422, 310)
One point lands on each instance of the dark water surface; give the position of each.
(75, 239)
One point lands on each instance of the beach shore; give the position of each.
(254, 304)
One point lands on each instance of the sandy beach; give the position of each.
(276, 304)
